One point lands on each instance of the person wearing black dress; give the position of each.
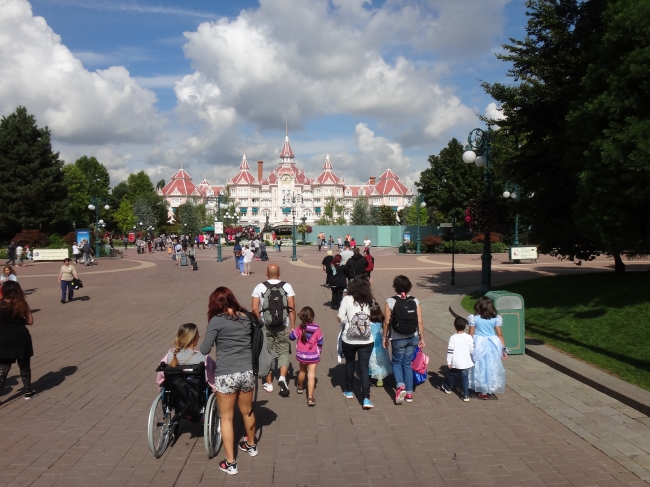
(15, 340)
(327, 267)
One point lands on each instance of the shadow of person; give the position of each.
(53, 379)
(437, 378)
(35, 310)
(337, 375)
(81, 298)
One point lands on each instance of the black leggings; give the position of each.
(25, 372)
(363, 352)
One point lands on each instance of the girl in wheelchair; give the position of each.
(183, 353)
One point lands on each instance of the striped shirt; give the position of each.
(308, 352)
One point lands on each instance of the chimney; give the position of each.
(372, 180)
(260, 171)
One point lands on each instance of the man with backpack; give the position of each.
(274, 305)
(356, 265)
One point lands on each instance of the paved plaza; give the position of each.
(94, 369)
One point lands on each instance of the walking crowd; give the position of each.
(377, 340)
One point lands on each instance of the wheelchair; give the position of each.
(184, 392)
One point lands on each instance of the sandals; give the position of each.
(311, 401)
(300, 390)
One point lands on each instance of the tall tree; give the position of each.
(96, 175)
(387, 215)
(138, 184)
(448, 184)
(411, 215)
(124, 217)
(547, 68)
(32, 190)
(144, 214)
(188, 217)
(78, 197)
(333, 212)
(610, 123)
(160, 184)
(360, 212)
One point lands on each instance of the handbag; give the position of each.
(419, 365)
(76, 284)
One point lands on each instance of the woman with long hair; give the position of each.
(357, 339)
(229, 327)
(15, 340)
(337, 280)
(8, 274)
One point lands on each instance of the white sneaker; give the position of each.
(267, 387)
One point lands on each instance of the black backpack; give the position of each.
(275, 307)
(404, 316)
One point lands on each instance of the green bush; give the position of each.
(3, 254)
(267, 242)
(56, 242)
(467, 247)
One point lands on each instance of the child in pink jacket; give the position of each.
(308, 349)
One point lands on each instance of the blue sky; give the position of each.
(153, 84)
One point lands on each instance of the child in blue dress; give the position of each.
(380, 365)
(488, 375)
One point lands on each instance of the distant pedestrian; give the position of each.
(66, 274)
(366, 243)
(459, 359)
(346, 254)
(75, 252)
(125, 240)
(488, 375)
(327, 267)
(11, 254)
(309, 346)
(19, 255)
(15, 339)
(370, 264)
(248, 258)
(338, 282)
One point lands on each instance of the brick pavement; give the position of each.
(94, 368)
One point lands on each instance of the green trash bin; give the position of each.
(511, 308)
(402, 249)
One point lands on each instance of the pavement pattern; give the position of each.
(94, 369)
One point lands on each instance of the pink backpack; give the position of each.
(420, 362)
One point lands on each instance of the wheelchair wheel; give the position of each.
(212, 427)
(160, 429)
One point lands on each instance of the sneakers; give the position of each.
(444, 389)
(30, 393)
(244, 446)
(464, 398)
(380, 383)
(284, 389)
(348, 395)
(408, 398)
(229, 468)
(300, 390)
(482, 396)
(267, 387)
(367, 404)
(399, 395)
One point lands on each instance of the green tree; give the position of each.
(537, 151)
(387, 215)
(160, 184)
(139, 184)
(448, 184)
(333, 212)
(411, 214)
(144, 214)
(188, 216)
(610, 122)
(32, 188)
(78, 197)
(373, 216)
(118, 193)
(96, 175)
(360, 212)
(123, 217)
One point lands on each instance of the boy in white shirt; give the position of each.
(459, 358)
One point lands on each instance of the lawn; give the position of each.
(601, 318)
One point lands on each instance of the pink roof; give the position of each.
(286, 149)
(205, 182)
(389, 182)
(355, 190)
(181, 184)
(243, 176)
(297, 174)
(327, 176)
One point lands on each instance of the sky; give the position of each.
(153, 85)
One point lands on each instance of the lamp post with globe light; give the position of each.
(219, 206)
(95, 203)
(292, 201)
(419, 203)
(514, 191)
(477, 151)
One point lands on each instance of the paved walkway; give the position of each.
(94, 368)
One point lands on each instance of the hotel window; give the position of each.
(176, 201)
(317, 191)
(306, 213)
(348, 192)
(233, 192)
(328, 192)
(376, 200)
(392, 200)
(242, 192)
(256, 191)
(361, 192)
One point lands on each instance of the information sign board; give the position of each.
(523, 253)
(446, 225)
(218, 228)
(50, 254)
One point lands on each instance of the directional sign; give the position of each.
(218, 228)
(446, 225)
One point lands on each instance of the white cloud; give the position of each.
(492, 112)
(40, 73)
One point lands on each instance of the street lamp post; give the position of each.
(292, 201)
(477, 151)
(95, 203)
(514, 191)
(419, 202)
(453, 251)
(219, 206)
(304, 224)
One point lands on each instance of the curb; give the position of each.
(628, 394)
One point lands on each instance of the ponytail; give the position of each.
(185, 336)
(306, 316)
(174, 361)
(303, 333)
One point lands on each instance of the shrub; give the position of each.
(467, 247)
(70, 238)
(430, 242)
(267, 242)
(494, 238)
(33, 238)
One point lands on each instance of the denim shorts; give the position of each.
(231, 383)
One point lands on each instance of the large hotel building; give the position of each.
(262, 196)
